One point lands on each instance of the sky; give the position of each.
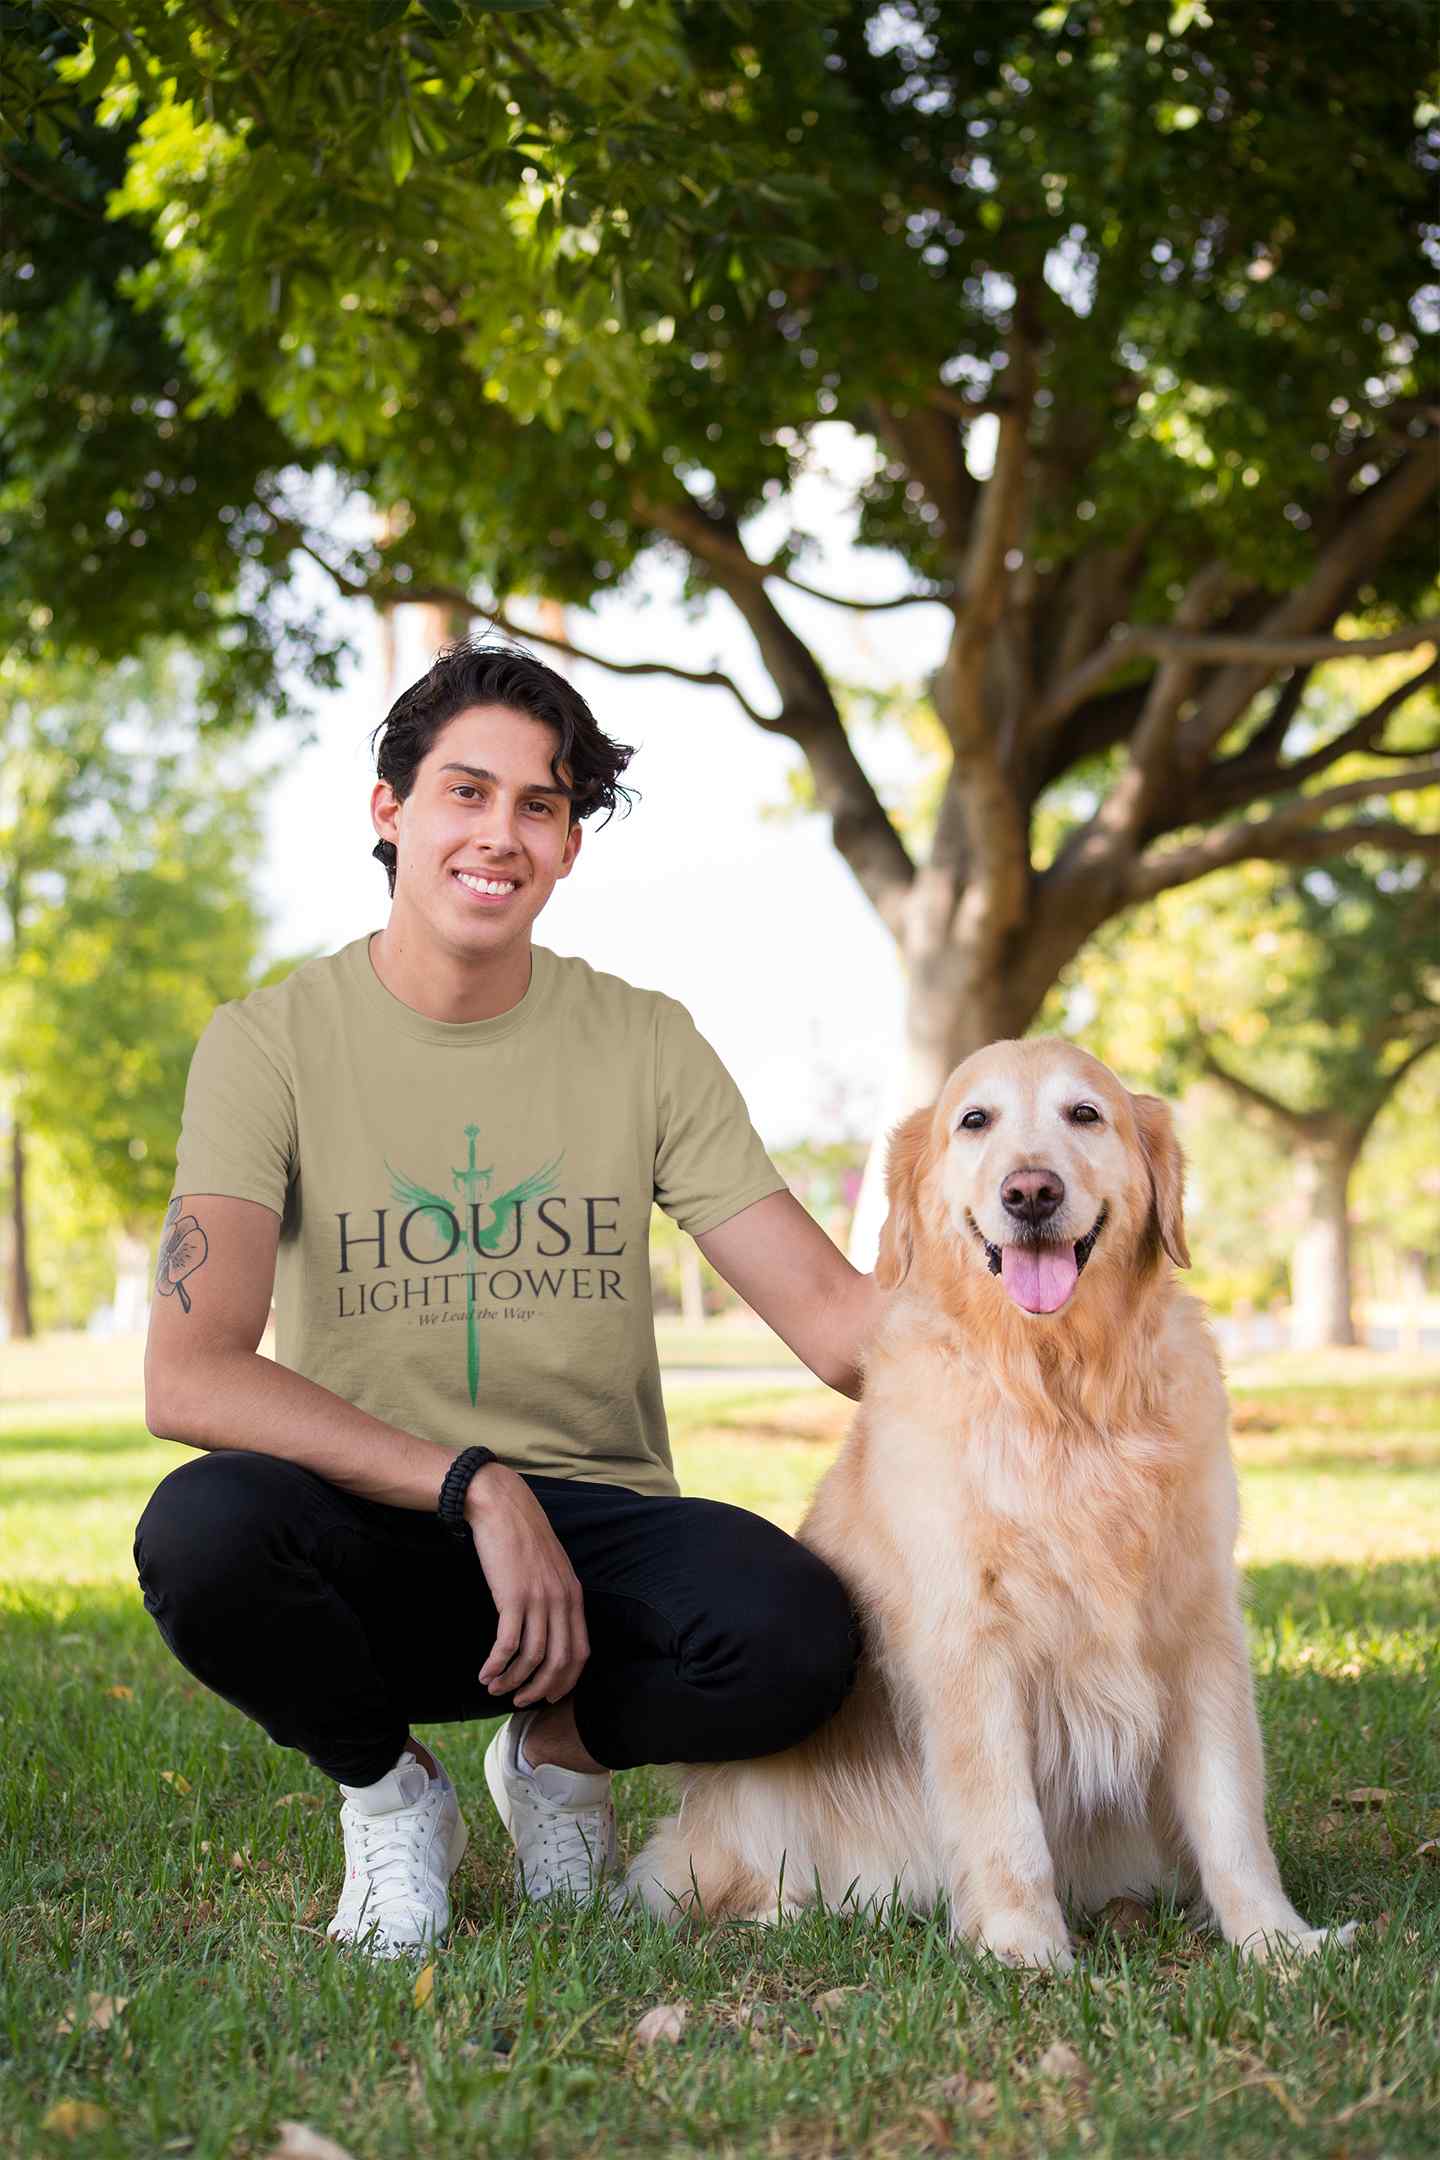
(750, 919)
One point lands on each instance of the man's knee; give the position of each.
(209, 1526)
(785, 1650)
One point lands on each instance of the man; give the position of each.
(451, 1493)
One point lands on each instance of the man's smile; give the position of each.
(485, 888)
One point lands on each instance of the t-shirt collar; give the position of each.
(394, 1015)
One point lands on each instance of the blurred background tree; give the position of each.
(126, 857)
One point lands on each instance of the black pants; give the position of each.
(338, 1623)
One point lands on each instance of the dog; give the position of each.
(1035, 1514)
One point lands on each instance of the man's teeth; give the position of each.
(486, 885)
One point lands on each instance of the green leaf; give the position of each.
(399, 146)
(381, 14)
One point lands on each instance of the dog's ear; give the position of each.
(903, 1166)
(1167, 1173)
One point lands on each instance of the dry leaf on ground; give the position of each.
(665, 2022)
(299, 1799)
(177, 1778)
(1362, 1796)
(424, 1987)
(1125, 1916)
(976, 2095)
(70, 2118)
(1430, 1850)
(101, 2013)
(1060, 2061)
(121, 1693)
(299, 2142)
(835, 1999)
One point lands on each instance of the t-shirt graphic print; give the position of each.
(465, 1206)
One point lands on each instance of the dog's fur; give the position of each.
(1035, 1514)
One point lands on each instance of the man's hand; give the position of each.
(541, 1644)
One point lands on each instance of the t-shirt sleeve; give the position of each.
(237, 1134)
(709, 1159)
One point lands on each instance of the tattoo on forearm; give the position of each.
(183, 1247)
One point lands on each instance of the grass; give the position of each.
(157, 1848)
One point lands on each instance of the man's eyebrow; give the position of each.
(478, 772)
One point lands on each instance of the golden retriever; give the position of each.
(1035, 1512)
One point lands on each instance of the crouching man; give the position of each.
(451, 1493)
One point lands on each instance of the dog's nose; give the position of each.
(1032, 1196)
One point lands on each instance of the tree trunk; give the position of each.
(953, 1007)
(22, 1326)
(1320, 1267)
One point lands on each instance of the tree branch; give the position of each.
(1295, 1122)
(1289, 835)
(860, 826)
(1266, 653)
(1383, 511)
(1245, 779)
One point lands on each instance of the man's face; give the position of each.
(483, 834)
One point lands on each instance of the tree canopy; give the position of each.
(1126, 300)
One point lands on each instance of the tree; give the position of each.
(124, 857)
(1309, 997)
(1125, 299)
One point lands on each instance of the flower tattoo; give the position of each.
(183, 1247)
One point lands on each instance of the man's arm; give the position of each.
(800, 1283)
(206, 1384)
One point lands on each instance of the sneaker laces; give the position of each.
(574, 1839)
(390, 1849)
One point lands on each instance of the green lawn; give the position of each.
(158, 1849)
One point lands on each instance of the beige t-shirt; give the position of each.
(465, 1206)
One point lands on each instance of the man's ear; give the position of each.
(904, 1166)
(1166, 1165)
(572, 849)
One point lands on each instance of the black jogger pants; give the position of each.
(339, 1623)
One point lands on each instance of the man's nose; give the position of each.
(1032, 1196)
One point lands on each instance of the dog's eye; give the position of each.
(974, 1120)
(1085, 1113)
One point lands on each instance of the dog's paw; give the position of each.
(1271, 1945)
(1019, 1940)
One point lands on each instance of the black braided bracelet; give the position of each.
(451, 1505)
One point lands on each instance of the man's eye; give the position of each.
(541, 806)
(975, 1120)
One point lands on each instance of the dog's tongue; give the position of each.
(1039, 1277)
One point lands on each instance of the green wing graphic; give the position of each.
(508, 1204)
(443, 1216)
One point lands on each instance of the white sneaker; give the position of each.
(562, 1822)
(404, 1839)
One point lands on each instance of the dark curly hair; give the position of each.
(468, 673)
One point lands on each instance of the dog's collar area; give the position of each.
(1083, 1246)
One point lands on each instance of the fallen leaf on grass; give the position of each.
(1061, 2062)
(178, 1779)
(933, 2132)
(1430, 1850)
(121, 1693)
(976, 2095)
(299, 2142)
(665, 2022)
(1125, 1916)
(835, 1999)
(299, 1799)
(424, 1987)
(70, 2118)
(1362, 1796)
(101, 2013)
